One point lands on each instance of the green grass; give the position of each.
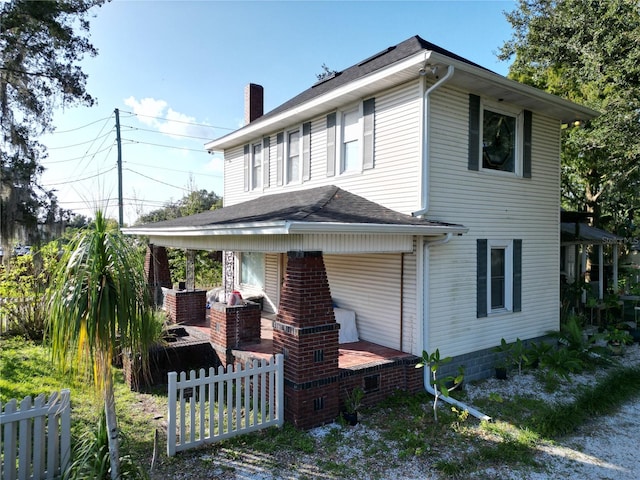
(26, 369)
(404, 425)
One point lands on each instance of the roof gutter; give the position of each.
(423, 317)
(581, 112)
(424, 177)
(286, 227)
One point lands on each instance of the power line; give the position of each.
(78, 144)
(77, 158)
(79, 179)
(82, 126)
(165, 146)
(163, 133)
(174, 169)
(156, 180)
(178, 121)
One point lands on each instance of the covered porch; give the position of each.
(589, 263)
(310, 227)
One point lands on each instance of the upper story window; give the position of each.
(256, 166)
(499, 137)
(293, 156)
(350, 139)
(499, 141)
(351, 159)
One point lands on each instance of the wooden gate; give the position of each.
(209, 407)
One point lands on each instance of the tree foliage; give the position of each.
(40, 45)
(196, 201)
(98, 303)
(208, 265)
(589, 53)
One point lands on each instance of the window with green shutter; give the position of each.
(499, 276)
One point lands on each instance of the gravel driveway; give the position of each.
(607, 448)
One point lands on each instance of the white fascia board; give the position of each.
(350, 92)
(374, 228)
(266, 228)
(580, 111)
(287, 227)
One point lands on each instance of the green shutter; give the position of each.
(247, 167)
(481, 278)
(517, 275)
(526, 153)
(280, 158)
(368, 111)
(474, 132)
(331, 144)
(306, 151)
(265, 161)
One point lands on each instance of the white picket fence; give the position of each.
(209, 408)
(36, 437)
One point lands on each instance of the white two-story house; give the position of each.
(430, 184)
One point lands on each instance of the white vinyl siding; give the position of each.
(410, 330)
(370, 286)
(511, 207)
(272, 283)
(393, 182)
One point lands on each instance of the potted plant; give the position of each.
(504, 356)
(352, 404)
(617, 339)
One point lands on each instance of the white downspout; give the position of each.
(424, 246)
(424, 177)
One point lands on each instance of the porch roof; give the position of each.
(572, 233)
(316, 211)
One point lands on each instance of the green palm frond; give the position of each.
(98, 303)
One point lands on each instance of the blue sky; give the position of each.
(176, 70)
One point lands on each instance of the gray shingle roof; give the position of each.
(375, 62)
(328, 204)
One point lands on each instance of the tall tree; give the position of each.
(41, 43)
(588, 52)
(99, 301)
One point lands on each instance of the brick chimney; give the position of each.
(253, 102)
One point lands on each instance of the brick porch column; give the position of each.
(156, 271)
(306, 332)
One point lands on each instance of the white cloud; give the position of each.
(158, 114)
(146, 109)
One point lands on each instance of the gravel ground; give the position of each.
(606, 448)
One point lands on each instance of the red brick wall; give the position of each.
(306, 332)
(233, 326)
(388, 378)
(186, 307)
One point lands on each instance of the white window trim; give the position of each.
(519, 116)
(285, 160)
(340, 136)
(252, 166)
(507, 245)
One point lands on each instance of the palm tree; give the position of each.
(98, 303)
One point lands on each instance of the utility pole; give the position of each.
(119, 143)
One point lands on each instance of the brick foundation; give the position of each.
(381, 381)
(186, 307)
(306, 332)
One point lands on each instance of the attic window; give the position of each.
(379, 54)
